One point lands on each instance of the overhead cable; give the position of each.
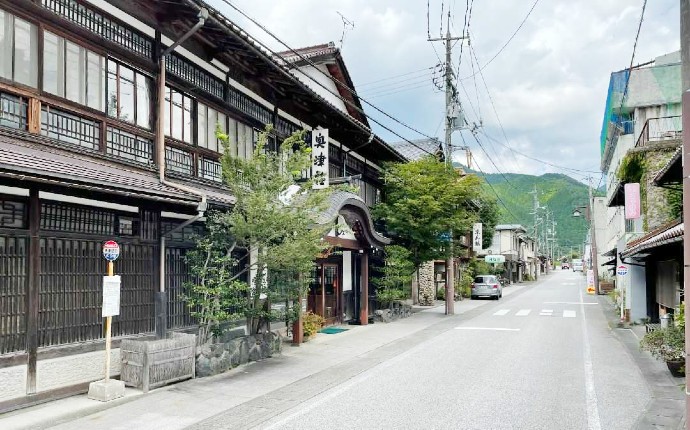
(507, 42)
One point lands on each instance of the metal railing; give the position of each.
(660, 129)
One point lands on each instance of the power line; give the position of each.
(426, 69)
(393, 85)
(473, 52)
(492, 161)
(386, 94)
(338, 82)
(494, 191)
(539, 160)
(632, 57)
(508, 41)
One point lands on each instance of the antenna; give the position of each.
(347, 25)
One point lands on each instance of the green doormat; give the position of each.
(332, 330)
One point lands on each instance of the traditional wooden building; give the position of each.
(97, 143)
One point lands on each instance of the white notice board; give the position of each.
(111, 296)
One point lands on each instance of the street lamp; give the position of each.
(577, 213)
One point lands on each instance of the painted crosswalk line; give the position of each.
(568, 314)
(523, 312)
(502, 312)
(546, 312)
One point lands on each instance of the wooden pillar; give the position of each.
(33, 290)
(364, 291)
(34, 116)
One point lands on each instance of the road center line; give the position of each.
(570, 303)
(593, 422)
(488, 328)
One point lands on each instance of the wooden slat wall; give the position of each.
(13, 284)
(72, 272)
(176, 274)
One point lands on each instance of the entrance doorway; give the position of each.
(325, 293)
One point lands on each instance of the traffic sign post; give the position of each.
(108, 389)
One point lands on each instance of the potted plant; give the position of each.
(667, 344)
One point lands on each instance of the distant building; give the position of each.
(512, 242)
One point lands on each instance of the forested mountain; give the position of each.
(559, 193)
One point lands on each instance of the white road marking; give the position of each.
(546, 312)
(569, 283)
(502, 312)
(568, 314)
(488, 328)
(570, 303)
(523, 312)
(593, 422)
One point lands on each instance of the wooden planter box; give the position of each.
(153, 363)
(605, 287)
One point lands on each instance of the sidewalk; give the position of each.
(335, 356)
(666, 408)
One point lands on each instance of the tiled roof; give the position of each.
(23, 157)
(338, 200)
(676, 158)
(668, 233)
(306, 52)
(417, 149)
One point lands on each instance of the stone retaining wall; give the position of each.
(427, 290)
(229, 352)
(397, 311)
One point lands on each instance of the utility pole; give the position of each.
(593, 238)
(536, 231)
(685, 75)
(451, 114)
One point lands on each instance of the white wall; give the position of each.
(308, 75)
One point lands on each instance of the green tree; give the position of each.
(396, 275)
(488, 216)
(216, 295)
(425, 200)
(273, 219)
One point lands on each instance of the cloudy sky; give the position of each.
(548, 85)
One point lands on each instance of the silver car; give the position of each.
(486, 286)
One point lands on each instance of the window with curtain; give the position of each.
(208, 119)
(73, 72)
(178, 115)
(129, 94)
(18, 50)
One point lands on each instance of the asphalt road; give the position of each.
(541, 359)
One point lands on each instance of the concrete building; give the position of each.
(640, 133)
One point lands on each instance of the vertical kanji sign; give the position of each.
(477, 237)
(319, 157)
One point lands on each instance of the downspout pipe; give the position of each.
(161, 296)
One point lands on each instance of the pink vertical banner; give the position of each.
(632, 201)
